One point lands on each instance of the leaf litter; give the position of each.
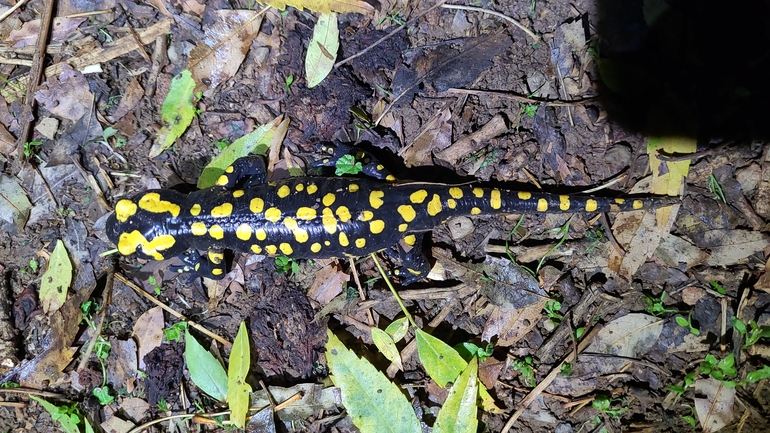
(640, 295)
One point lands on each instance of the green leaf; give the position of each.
(756, 376)
(347, 164)
(682, 321)
(56, 279)
(322, 50)
(386, 346)
(205, 371)
(397, 330)
(374, 403)
(237, 388)
(458, 415)
(257, 141)
(440, 360)
(177, 112)
(67, 417)
(739, 326)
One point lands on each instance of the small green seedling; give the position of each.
(468, 350)
(717, 287)
(596, 236)
(89, 308)
(220, 144)
(286, 265)
(163, 405)
(29, 148)
(566, 369)
(603, 403)
(720, 370)
(102, 351)
(753, 333)
(69, 417)
(154, 284)
(288, 82)
(679, 389)
(716, 189)
(656, 306)
(552, 310)
(347, 164)
(579, 332)
(175, 331)
(690, 419)
(687, 323)
(524, 367)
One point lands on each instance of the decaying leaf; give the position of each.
(715, 408)
(56, 279)
(148, 331)
(224, 46)
(177, 112)
(67, 95)
(322, 51)
(323, 6)
(14, 205)
(730, 247)
(629, 336)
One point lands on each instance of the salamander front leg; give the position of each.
(246, 171)
(370, 166)
(212, 266)
(414, 263)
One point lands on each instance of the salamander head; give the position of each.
(140, 225)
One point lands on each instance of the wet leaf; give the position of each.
(440, 360)
(322, 50)
(148, 331)
(205, 371)
(67, 417)
(631, 335)
(386, 346)
(56, 279)
(715, 408)
(374, 403)
(14, 205)
(177, 112)
(257, 141)
(458, 414)
(323, 6)
(237, 388)
(397, 329)
(225, 43)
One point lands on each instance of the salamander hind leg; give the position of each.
(244, 172)
(414, 263)
(212, 266)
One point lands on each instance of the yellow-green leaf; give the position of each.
(323, 6)
(257, 141)
(374, 403)
(56, 279)
(397, 329)
(205, 370)
(386, 346)
(14, 205)
(322, 50)
(177, 112)
(440, 360)
(237, 388)
(458, 415)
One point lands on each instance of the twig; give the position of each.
(497, 14)
(12, 10)
(545, 102)
(384, 38)
(46, 18)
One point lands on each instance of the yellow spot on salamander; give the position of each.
(475, 211)
(195, 210)
(620, 200)
(229, 169)
(542, 205)
(402, 227)
(377, 226)
(327, 243)
(216, 271)
(456, 193)
(375, 199)
(366, 215)
(271, 249)
(256, 205)
(215, 257)
(343, 213)
(591, 205)
(390, 178)
(478, 192)
(564, 203)
(495, 202)
(222, 180)
(260, 234)
(525, 195)
(380, 167)
(198, 228)
(418, 196)
(451, 203)
(256, 249)
(238, 193)
(353, 187)
(223, 210)
(434, 205)
(328, 221)
(410, 239)
(299, 187)
(343, 239)
(216, 232)
(129, 242)
(328, 199)
(312, 188)
(151, 202)
(638, 204)
(243, 232)
(300, 235)
(290, 223)
(306, 213)
(284, 191)
(360, 242)
(407, 212)
(285, 248)
(124, 209)
(273, 214)
(315, 247)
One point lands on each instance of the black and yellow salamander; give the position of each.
(317, 217)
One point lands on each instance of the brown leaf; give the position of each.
(323, 6)
(715, 408)
(131, 97)
(148, 331)
(27, 34)
(328, 282)
(67, 95)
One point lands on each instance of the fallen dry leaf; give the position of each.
(27, 34)
(328, 282)
(67, 95)
(148, 332)
(715, 407)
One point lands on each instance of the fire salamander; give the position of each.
(317, 217)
